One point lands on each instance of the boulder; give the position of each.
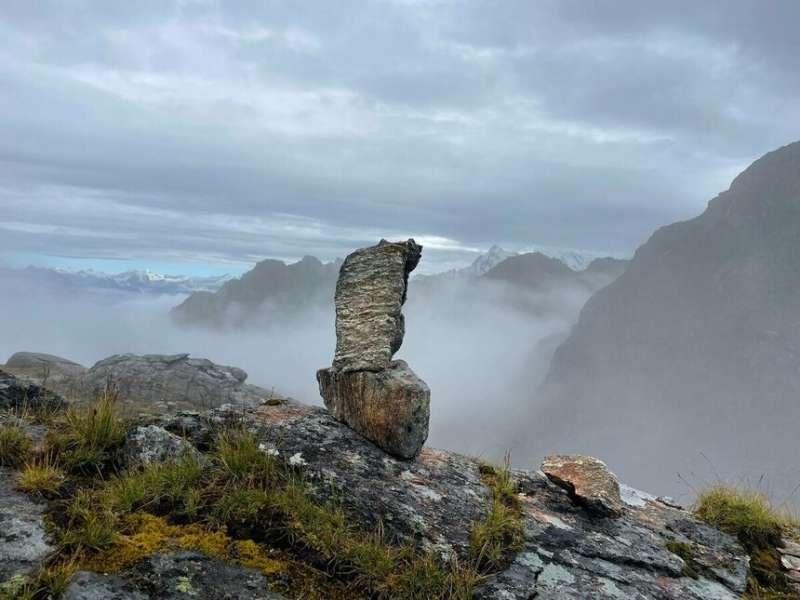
(370, 293)
(588, 482)
(45, 362)
(382, 400)
(176, 378)
(148, 444)
(20, 395)
(390, 407)
(173, 576)
(23, 540)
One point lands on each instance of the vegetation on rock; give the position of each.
(759, 526)
(237, 502)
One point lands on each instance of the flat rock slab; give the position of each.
(370, 293)
(23, 540)
(587, 480)
(391, 408)
(568, 552)
(174, 576)
(176, 378)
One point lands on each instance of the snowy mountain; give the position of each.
(137, 282)
(486, 262)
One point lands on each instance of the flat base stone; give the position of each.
(391, 408)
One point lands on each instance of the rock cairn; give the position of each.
(380, 398)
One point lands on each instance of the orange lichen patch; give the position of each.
(276, 414)
(432, 458)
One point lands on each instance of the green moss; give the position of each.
(686, 553)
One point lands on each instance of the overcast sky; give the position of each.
(202, 136)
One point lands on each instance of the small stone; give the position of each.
(390, 408)
(153, 444)
(790, 563)
(790, 548)
(587, 480)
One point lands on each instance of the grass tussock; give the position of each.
(494, 540)
(759, 527)
(41, 476)
(15, 446)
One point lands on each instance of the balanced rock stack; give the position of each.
(380, 398)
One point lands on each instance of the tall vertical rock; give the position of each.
(381, 399)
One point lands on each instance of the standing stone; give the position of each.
(381, 399)
(370, 293)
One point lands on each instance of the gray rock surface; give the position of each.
(177, 378)
(383, 400)
(173, 576)
(20, 395)
(587, 480)
(390, 407)
(23, 540)
(42, 361)
(370, 294)
(148, 444)
(568, 553)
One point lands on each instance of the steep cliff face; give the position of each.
(696, 347)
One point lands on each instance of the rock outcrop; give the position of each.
(790, 561)
(148, 444)
(173, 379)
(49, 363)
(19, 395)
(381, 399)
(587, 480)
(568, 552)
(23, 540)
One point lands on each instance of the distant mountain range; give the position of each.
(138, 282)
(696, 346)
(272, 289)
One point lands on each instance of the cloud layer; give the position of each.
(219, 133)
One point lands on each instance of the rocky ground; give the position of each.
(569, 549)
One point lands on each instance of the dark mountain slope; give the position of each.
(272, 289)
(696, 347)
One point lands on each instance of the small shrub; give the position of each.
(14, 446)
(41, 476)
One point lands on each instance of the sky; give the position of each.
(202, 136)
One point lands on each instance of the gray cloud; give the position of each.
(195, 131)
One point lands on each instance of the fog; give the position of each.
(473, 344)
(482, 347)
